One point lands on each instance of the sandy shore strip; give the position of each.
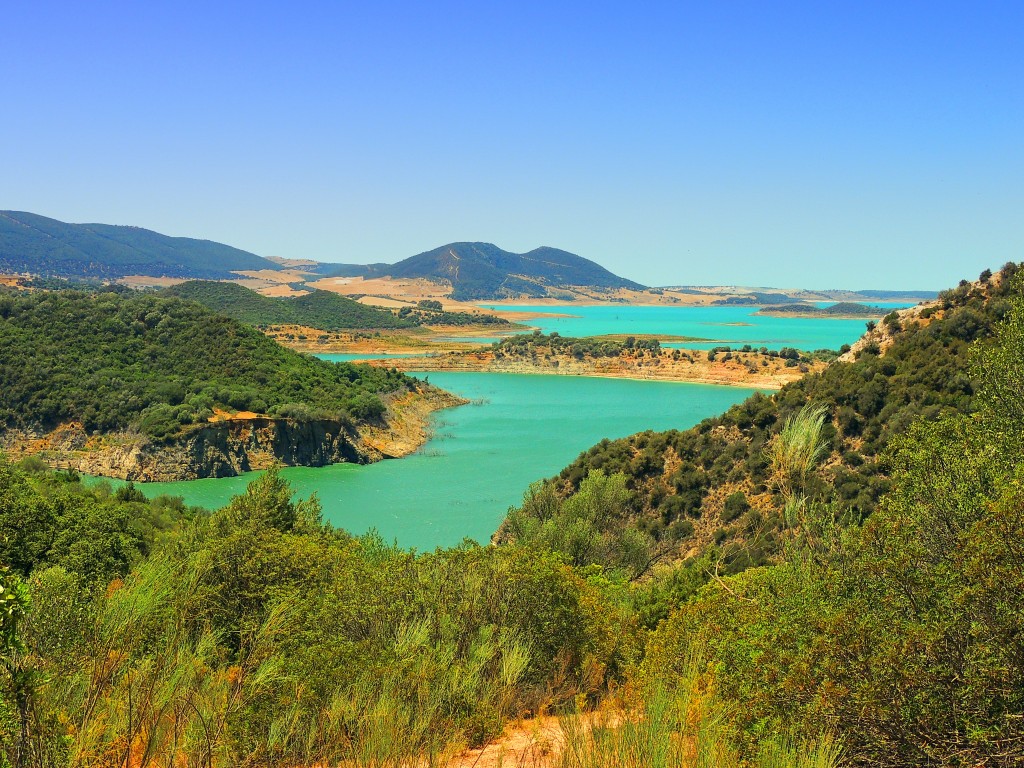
(692, 366)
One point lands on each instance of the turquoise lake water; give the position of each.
(721, 325)
(521, 428)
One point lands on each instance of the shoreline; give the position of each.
(231, 446)
(742, 370)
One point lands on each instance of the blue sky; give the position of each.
(836, 144)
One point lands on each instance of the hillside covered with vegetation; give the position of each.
(140, 632)
(114, 360)
(711, 485)
(323, 310)
(41, 246)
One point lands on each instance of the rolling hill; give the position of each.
(38, 245)
(319, 309)
(485, 271)
(115, 360)
(43, 246)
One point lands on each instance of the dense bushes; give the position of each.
(143, 633)
(114, 360)
(903, 636)
(900, 637)
(924, 375)
(318, 309)
(537, 343)
(258, 634)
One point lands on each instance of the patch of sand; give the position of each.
(275, 275)
(534, 743)
(281, 291)
(411, 290)
(380, 301)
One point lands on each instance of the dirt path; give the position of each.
(532, 743)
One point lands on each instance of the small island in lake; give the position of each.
(844, 310)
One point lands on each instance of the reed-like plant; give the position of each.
(795, 451)
(682, 726)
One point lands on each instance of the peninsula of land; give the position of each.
(157, 388)
(629, 359)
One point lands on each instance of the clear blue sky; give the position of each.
(817, 144)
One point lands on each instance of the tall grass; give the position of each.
(160, 693)
(794, 452)
(428, 704)
(680, 727)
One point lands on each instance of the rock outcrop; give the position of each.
(229, 447)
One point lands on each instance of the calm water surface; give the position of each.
(720, 325)
(521, 428)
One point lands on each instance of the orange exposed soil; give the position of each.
(276, 275)
(281, 291)
(219, 415)
(532, 743)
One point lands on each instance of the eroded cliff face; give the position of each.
(230, 447)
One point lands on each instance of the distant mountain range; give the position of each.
(485, 271)
(42, 246)
(39, 245)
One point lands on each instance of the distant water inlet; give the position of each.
(483, 456)
(734, 326)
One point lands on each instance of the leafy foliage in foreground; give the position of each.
(114, 360)
(904, 635)
(257, 635)
(260, 635)
(900, 637)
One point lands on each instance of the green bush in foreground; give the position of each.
(149, 634)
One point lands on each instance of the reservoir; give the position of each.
(733, 326)
(523, 428)
(483, 456)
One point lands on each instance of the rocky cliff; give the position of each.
(229, 447)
